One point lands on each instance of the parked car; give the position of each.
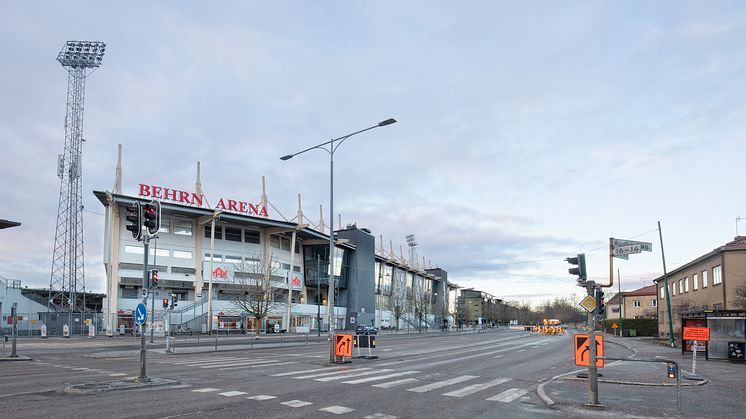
(365, 330)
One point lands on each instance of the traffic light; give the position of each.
(152, 216)
(153, 279)
(165, 303)
(134, 220)
(578, 260)
(174, 300)
(600, 307)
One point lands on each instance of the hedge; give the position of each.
(644, 327)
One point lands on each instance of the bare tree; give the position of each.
(400, 302)
(420, 303)
(739, 301)
(252, 284)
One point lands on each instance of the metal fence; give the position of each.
(30, 324)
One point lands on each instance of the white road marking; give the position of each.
(80, 369)
(382, 377)
(475, 388)
(439, 384)
(498, 356)
(296, 403)
(262, 397)
(337, 410)
(117, 374)
(508, 396)
(239, 363)
(395, 383)
(380, 416)
(205, 390)
(324, 374)
(232, 393)
(258, 365)
(520, 350)
(282, 374)
(342, 377)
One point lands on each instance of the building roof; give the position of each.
(738, 243)
(615, 299)
(649, 290)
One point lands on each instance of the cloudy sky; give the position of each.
(528, 131)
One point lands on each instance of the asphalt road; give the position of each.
(480, 375)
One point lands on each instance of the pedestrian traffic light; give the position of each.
(600, 307)
(174, 300)
(152, 216)
(165, 303)
(673, 371)
(578, 260)
(134, 220)
(153, 279)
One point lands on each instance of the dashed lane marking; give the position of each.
(337, 410)
(296, 403)
(508, 396)
(232, 393)
(475, 388)
(444, 383)
(380, 416)
(117, 374)
(262, 397)
(205, 390)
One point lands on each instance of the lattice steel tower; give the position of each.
(67, 283)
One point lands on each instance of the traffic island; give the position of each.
(89, 388)
(14, 358)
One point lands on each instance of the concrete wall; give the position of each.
(360, 293)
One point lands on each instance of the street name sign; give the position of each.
(623, 248)
(588, 303)
(141, 314)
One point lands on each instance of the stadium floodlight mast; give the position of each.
(67, 280)
(411, 242)
(333, 146)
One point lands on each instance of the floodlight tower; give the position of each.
(67, 282)
(411, 242)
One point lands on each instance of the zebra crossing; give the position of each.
(413, 381)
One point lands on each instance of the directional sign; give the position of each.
(141, 314)
(582, 350)
(343, 345)
(588, 303)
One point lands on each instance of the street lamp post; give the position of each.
(211, 219)
(332, 148)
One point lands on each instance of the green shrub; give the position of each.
(643, 327)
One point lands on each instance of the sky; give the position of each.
(527, 131)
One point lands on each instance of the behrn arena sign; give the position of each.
(191, 198)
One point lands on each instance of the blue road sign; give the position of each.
(141, 314)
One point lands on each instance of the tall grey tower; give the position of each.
(67, 283)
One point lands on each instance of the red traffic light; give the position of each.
(165, 303)
(154, 279)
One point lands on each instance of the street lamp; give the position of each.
(290, 274)
(331, 149)
(202, 221)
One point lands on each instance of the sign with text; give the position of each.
(621, 248)
(583, 350)
(697, 333)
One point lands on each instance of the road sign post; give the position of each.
(695, 334)
(141, 314)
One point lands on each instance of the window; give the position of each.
(181, 254)
(231, 259)
(284, 243)
(717, 306)
(182, 228)
(636, 303)
(138, 250)
(686, 284)
(704, 279)
(296, 269)
(165, 225)
(286, 266)
(695, 282)
(663, 317)
(233, 234)
(716, 278)
(654, 303)
(218, 232)
(215, 258)
(274, 241)
(674, 289)
(681, 286)
(251, 236)
(663, 293)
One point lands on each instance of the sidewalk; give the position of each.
(642, 389)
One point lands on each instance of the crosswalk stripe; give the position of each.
(117, 374)
(296, 403)
(380, 416)
(262, 397)
(204, 361)
(337, 410)
(475, 388)
(232, 364)
(282, 374)
(259, 365)
(205, 390)
(342, 377)
(331, 373)
(439, 384)
(508, 396)
(395, 383)
(382, 377)
(232, 393)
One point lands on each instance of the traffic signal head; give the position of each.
(579, 270)
(174, 300)
(165, 303)
(151, 214)
(153, 279)
(600, 307)
(134, 220)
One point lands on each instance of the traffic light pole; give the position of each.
(592, 368)
(143, 378)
